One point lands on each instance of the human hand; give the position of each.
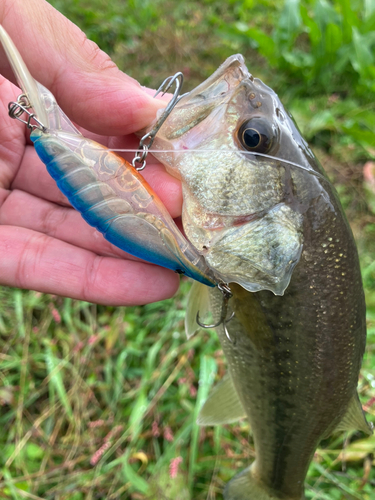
(45, 245)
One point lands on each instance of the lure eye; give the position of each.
(256, 135)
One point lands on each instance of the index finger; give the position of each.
(84, 80)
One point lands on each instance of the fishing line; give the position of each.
(224, 151)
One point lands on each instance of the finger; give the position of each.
(39, 262)
(66, 224)
(33, 177)
(168, 188)
(84, 80)
(12, 136)
(24, 210)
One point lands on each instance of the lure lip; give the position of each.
(25, 80)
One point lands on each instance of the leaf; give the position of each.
(18, 303)
(332, 478)
(54, 366)
(137, 481)
(324, 13)
(369, 8)
(358, 450)
(207, 373)
(289, 24)
(323, 120)
(34, 452)
(139, 409)
(311, 27)
(333, 41)
(362, 59)
(299, 59)
(265, 43)
(350, 19)
(363, 136)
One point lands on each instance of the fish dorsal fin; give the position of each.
(198, 301)
(222, 406)
(354, 418)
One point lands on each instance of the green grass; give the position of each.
(99, 402)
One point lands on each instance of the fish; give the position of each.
(261, 210)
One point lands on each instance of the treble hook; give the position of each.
(227, 294)
(143, 148)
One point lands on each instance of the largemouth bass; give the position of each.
(260, 208)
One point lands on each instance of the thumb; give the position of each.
(87, 84)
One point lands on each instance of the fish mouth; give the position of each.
(227, 77)
(205, 100)
(217, 222)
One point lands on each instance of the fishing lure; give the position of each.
(108, 191)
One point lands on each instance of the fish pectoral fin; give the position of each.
(354, 418)
(198, 302)
(222, 406)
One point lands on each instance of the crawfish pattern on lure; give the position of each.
(260, 209)
(260, 214)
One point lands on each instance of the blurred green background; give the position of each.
(99, 402)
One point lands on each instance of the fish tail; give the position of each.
(245, 486)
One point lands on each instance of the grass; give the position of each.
(99, 402)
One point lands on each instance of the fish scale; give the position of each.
(207, 177)
(303, 363)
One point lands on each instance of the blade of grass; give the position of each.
(324, 472)
(207, 372)
(130, 475)
(54, 366)
(18, 305)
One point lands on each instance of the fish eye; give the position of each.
(256, 135)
